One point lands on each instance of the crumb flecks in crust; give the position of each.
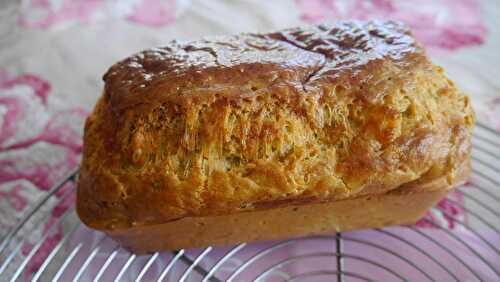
(256, 121)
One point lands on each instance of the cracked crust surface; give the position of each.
(257, 121)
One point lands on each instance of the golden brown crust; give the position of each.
(278, 223)
(404, 205)
(259, 121)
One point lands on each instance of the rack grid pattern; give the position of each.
(405, 253)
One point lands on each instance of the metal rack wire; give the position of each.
(380, 254)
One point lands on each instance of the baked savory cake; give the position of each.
(266, 136)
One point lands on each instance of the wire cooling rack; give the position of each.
(462, 244)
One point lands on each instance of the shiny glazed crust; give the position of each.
(257, 123)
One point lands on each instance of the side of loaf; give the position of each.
(255, 123)
(400, 206)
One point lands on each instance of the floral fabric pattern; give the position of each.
(443, 24)
(38, 144)
(47, 13)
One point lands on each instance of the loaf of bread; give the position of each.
(266, 136)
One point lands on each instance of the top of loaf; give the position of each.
(255, 121)
(300, 55)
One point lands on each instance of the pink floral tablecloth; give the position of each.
(54, 52)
